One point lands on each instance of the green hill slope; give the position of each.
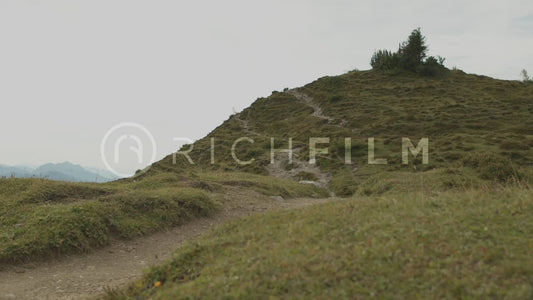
(472, 244)
(457, 227)
(478, 129)
(432, 175)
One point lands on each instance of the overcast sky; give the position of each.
(71, 70)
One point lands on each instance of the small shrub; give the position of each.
(431, 67)
(384, 60)
(525, 76)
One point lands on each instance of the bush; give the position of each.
(525, 76)
(384, 60)
(411, 56)
(431, 67)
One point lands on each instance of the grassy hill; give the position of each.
(479, 129)
(459, 226)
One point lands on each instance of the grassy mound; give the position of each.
(39, 218)
(48, 217)
(472, 243)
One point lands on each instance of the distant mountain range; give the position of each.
(65, 171)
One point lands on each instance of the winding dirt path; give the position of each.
(309, 102)
(83, 276)
(317, 110)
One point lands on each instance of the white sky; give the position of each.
(70, 70)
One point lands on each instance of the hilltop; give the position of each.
(478, 127)
(479, 130)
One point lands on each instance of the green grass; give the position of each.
(463, 115)
(41, 218)
(471, 243)
(265, 185)
(413, 231)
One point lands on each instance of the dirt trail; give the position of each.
(278, 168)
(309, 102)
(83, 276)
(245, 125)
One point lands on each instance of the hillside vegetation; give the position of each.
(459, 226)
(468, 244)
(41, 218)
(479, 129)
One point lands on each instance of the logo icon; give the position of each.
(127, 147)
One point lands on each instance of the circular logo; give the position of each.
(127, 147)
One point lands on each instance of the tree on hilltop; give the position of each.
(413, 51)
(525, 76)
(411, 56)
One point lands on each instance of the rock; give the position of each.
(278, 198)
(310, 182)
